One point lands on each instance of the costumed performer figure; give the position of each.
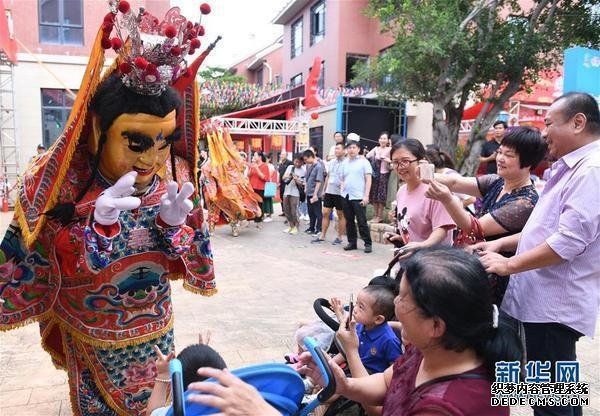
(104, 219)
(226, 188)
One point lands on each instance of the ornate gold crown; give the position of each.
(151, 52)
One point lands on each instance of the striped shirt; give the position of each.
(567, 218)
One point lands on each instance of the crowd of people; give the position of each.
(458, 311)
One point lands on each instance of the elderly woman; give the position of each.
(507, 197)
(454, 337)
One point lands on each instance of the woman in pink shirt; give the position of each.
(422, 222)
(380, 158)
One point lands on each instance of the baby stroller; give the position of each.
(281, 386)
(325, 312)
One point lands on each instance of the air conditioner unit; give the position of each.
(411, 109)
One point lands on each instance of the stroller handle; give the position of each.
(176, 372)
(321, 359)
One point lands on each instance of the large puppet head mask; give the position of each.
(144, 110)
(133, 132)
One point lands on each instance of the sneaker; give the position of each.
(309, 231)
(268, 219)
(337, 241)
(349, 247)
(282, 214)
(368, 248)
(294, 231)
(235, 232)
(317, 240)
(287, 230)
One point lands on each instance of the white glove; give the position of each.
(174, 207)
(116, 199)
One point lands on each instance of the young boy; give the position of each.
(373, 344)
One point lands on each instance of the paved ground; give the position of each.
(267, 282)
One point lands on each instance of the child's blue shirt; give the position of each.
(378, 348)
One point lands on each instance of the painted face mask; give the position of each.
(138, 142)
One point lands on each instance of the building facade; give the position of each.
(341, 35)
(54, 40)
(263, 68)
(337, 31)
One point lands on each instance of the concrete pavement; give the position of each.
(267, 282)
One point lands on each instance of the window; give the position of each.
(61, 21)
(259, 76)
(317, 22)
(351, 60)
(386, 79)
(296, 80)
(321, 80)
(56, 106)
(297, 38)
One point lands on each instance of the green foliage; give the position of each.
(216, 73)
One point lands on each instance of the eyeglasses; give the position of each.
(402, 163)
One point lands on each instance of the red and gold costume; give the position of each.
(226, 188)
(101, 293)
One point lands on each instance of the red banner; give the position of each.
(7, 43)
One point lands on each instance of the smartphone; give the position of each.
(427, 170)
(350, 311)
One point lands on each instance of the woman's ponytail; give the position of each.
(502, 344)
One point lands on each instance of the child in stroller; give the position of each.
(192, 357)
(366, 341)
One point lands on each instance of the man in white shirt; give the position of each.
(356, 184)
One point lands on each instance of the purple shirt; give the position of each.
(567, 218)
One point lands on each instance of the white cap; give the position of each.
(353, 137)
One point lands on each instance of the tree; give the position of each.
(446, 51)
(217, 73)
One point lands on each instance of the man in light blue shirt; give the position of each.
(356, 184)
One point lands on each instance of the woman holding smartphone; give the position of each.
(422, 222)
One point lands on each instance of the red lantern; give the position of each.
(314, 116)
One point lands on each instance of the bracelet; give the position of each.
(162, 380)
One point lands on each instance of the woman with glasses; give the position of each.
(422, 222)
